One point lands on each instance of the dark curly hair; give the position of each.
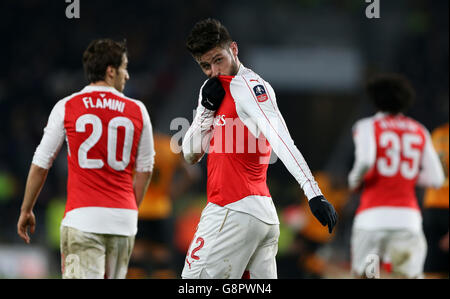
(390, 93)
(100, 54)
(206, 35)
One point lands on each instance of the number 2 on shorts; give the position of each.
(202, 242)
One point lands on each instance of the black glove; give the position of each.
(212, 94)
(323, 211)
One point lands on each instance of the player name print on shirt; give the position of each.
(398, 124)
(104, 103)
(260, 93)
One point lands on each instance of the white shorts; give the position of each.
(90, 255)
(231, 244)
(405, 250)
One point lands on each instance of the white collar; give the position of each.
(241, 69)
(90, 88)
(381, 114)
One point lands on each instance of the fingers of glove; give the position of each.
(331, 225)
(335, 214)
(212, 94)
(330, 228)
(211, 83)
(330, 221)
(333, 220)
(321, 216)
(213, 89)
(332, 214)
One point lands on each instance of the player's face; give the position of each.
(122, 75)
(220, 61)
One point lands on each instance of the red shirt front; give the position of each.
(241, 135)
(237, 160)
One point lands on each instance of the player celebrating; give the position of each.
(108, 135)
(393, 154)
(238, 232)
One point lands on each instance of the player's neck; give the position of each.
(101, 83)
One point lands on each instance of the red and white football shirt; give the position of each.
(108, 135)
(241, 135)
(393, 153)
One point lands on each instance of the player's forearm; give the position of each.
(35, 181)
(283, 146)
(356, 175)
(297, 166)
(198, 136)
(141, 182)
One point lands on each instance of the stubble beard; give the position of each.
(234, 68)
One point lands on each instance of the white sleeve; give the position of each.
(431, 173)
(198, 136)
(145, 158)
(365, 152)
(269, 121)
(53, 138)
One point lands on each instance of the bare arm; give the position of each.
(43, 159)
(140, 185)
(35, 182)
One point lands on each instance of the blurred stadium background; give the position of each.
(315, 53)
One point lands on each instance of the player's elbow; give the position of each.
(354, 186)
(431, 181)
(356, 176)
(190, 155)
(190, 158)
(440, 180)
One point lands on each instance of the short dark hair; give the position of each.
(206, 35)
(391, 93)
(100, 54)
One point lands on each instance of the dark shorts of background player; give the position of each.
(435, 226)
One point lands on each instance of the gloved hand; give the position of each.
(323, 211)
(212, 94)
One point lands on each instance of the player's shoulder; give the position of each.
(138, 103)
(247, 77)
(249, 85)
(418, 125)
(364, 123)
(126, 98)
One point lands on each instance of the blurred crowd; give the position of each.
(42, 63)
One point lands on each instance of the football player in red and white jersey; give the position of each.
(238, 120)
(393, 155)
(109, 136)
